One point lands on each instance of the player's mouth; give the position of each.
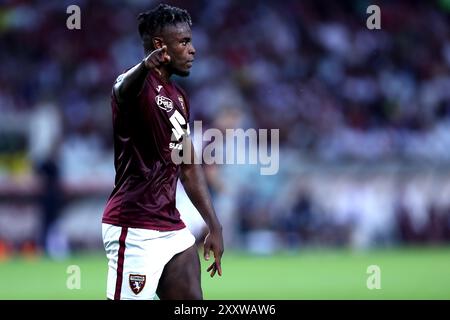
(189, 63)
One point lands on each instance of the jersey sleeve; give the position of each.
(114, 98)
(124, 104)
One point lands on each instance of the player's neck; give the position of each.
(164, 75)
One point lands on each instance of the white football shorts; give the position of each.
(136, 259)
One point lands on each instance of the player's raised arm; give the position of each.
(129, 84)
(194, 183)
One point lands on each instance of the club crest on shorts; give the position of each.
(164, 103)
(137, 282)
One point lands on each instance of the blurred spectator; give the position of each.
(51, 240)
(338, 92)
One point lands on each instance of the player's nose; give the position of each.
(192, 50)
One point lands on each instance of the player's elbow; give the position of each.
(186, 172)
(117, 89)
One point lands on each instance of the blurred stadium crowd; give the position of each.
(364, 118)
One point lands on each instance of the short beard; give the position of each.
(177, 72)
(182, 73)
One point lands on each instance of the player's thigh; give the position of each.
(180, 278)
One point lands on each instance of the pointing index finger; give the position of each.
(164, 56)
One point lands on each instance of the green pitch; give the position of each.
(411, 273)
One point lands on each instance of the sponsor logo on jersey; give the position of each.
(164, 103)
(176, 146)
(137, 282)
(158, 88)
(178, 122)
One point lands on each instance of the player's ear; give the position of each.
(157, 42)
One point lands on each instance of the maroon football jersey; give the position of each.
(146, 129)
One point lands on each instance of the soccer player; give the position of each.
(149, 248)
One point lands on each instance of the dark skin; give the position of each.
(173, 54)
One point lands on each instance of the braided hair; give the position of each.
(152, 22)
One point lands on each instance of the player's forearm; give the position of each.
(194, 183)
(131, 82)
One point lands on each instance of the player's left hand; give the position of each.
(214, 242)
